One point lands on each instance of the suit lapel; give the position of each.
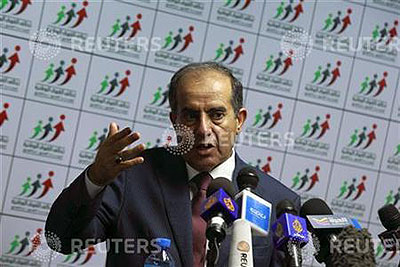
(174, 186)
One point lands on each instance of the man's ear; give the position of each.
(240, 119)
(172, 117)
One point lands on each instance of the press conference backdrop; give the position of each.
(327, 125)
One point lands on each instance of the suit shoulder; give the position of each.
(269, 183)
(159, 156)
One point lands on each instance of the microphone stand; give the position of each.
(213, 253)
(215, 234)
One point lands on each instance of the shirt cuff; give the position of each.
(92, 189)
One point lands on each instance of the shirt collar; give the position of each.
(225, 169)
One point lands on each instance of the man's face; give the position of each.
(204, 105)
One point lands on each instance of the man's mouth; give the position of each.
(204, 146)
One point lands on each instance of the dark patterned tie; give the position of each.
(202, 181)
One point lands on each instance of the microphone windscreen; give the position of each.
(247, 177)
(223, 183)
(362, 252)
(285, 206)
(389, 216)
(315, 206)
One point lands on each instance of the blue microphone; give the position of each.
(290, 233)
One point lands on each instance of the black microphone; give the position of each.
(324, 226)
(219, 211)
(353, 248)
(321, 238)
(389, 216)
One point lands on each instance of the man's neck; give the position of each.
(224, 169)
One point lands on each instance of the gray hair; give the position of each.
(237, 88)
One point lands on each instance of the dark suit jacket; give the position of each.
(147, 201)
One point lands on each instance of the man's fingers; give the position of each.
(119, 135)
(133, 152)
(112, 129)
(124, 142)
(129, 163)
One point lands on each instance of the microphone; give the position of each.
(324, 226)
(290, 233)
(389, 216)
(253, 208)
(241, 251)
(219, 210)
(353, 248)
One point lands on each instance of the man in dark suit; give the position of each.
(128, 196)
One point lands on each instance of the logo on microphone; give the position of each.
(322, 221)
(297, 226)
(211, 201)
(279, 230)
(243, 246)
(229, 204)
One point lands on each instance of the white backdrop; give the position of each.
(327, 125)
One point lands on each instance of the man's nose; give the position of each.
(203, 126)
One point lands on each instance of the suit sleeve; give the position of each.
(79, 220)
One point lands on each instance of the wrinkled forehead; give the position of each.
(204, 88)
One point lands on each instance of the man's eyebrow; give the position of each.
(220, 109)
(186, 109)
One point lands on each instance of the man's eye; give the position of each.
(217, 115)
(190, 116)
